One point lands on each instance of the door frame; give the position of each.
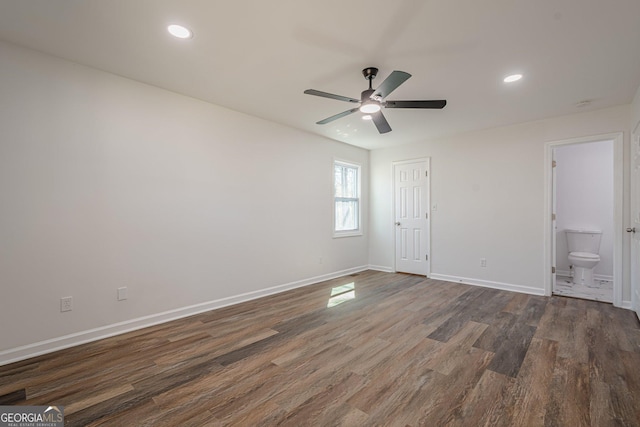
(618, 214)
(634, 280)
(427, 160)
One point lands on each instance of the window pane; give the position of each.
(337, 181)
(350, 182)
(346, 215)
(345, 181)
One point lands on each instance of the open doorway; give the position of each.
(584, 220)
(586, 216)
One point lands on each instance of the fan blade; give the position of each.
(436, 103)
(381, 123)
(330, 95)
(337, 116)
(391, 83)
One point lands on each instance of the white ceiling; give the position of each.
(258, 57)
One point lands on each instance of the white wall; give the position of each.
(106, 182)
(584, 188)
(489, 187)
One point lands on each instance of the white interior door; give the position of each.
(411, 205)
(634, 230)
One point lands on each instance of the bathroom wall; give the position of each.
(584, 199)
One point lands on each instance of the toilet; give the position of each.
(584, 246)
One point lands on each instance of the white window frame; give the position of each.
(358, 231)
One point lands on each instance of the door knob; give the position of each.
(631, 230)
(398, 223)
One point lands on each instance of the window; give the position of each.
(346, 199)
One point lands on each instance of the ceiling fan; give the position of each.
(371, 101)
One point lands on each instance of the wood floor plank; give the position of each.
(386, 356)
(456, 349)
(511, 352)
(569, 394)
(387, 384)
(484, 405)
(321, 406)
(80, 403)
(440, 292)
(497, 332)
(406, 351)
(611, 399)
(533, 310)
(528, 397)
(314, 375)
(516, 304)
(244, 395)
(265, 414)
(136, 414)
(458, 313)
(14, 397)
(443, 408)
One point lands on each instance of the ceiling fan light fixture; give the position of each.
(512, 78)
(370, 107)
(179, 31)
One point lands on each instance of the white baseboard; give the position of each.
(59, 343)
(489, 284)
(627, 305)
(382, 268)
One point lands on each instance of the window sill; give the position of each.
(338, 235)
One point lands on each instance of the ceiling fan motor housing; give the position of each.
(366, 95)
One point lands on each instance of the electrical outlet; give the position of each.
(66, 304)
(483, 262)
(122, 293)
(320, 260)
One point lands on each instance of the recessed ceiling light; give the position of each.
(179, 31)
(512, 78)
(367, 117)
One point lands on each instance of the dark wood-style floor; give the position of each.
(406, 351)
